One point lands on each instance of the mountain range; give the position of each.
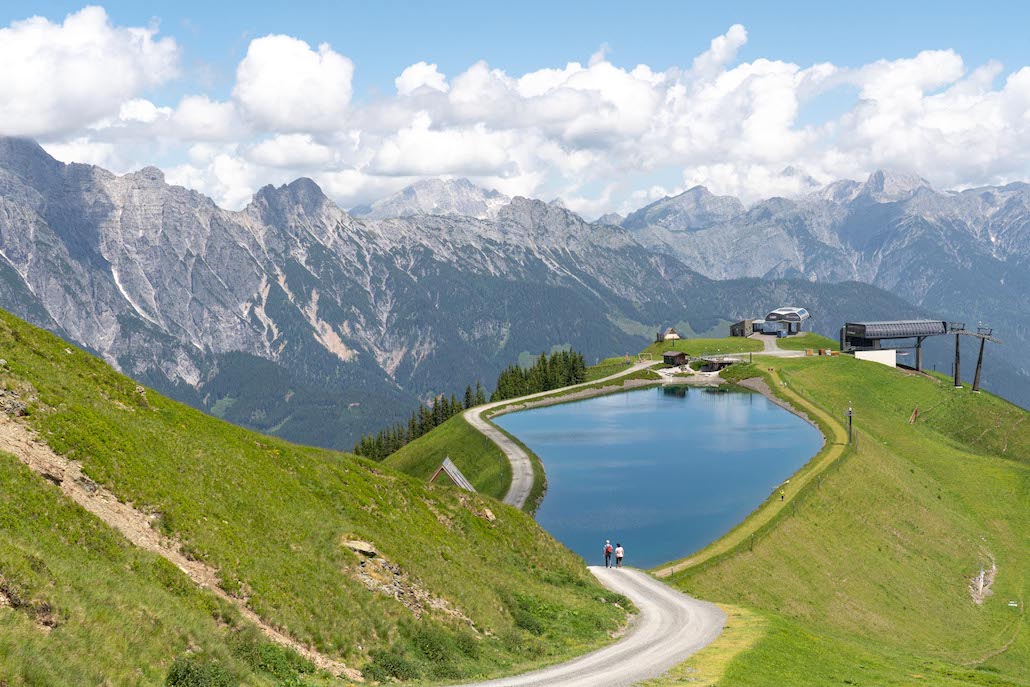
(297, 318)
(962, 255)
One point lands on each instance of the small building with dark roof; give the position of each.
(675, 358)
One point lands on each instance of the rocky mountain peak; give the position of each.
(437, 197)
(302, 194)
(887, 186)
(26, 158)
(529, 212)
(151, 176)
(695, 208)
(840, 192)
(612, 218)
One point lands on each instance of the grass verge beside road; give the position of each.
(807, 341)
(696, 347)
(707, 668)
(606, 368)
(572, 393)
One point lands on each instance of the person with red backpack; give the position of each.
(608, 551)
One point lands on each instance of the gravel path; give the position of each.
(521, 465)
(670, 628)
(771, 347)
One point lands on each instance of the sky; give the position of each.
(603, 105)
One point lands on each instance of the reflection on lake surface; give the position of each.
(664, 471)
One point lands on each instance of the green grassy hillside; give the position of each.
(80, 606)
(868, 583)
(271, 517)
(730, 344)
(477, 457)
(606, 368)
(808, 340)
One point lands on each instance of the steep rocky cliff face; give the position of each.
(296, 318)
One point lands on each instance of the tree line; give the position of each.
(380, 445)
(554, 371)
(561, 368)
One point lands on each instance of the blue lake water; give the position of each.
(663, 471)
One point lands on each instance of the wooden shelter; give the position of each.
(675, 358)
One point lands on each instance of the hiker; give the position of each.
(783, 493)
(607, 553)
(619, 553)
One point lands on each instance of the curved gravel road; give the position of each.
(521, 465)
(670, 628)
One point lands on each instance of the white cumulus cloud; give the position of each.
(198, 118)
(418, 75)
(290, 151)
(284, 85)
(602, 135)
(60, 77)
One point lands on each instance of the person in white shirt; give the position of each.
(619, 553)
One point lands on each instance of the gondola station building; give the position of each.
(779, 322)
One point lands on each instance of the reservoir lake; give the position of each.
(663, 471)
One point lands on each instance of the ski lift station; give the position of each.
(866, 339)
(780, 322)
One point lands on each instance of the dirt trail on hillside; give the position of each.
(134, 525)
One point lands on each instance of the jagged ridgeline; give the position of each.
(298, 319)
(362, 564)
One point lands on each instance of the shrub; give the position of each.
(467, 643)
(391, 663)
(527, 621)
(260, 655)
(197, 671)
(435, 644)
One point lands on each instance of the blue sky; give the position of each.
(382, 38)
(603, 138)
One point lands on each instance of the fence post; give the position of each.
(752, 547)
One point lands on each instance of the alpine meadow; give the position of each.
(551, 345)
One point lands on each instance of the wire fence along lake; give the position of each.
(663, 471)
